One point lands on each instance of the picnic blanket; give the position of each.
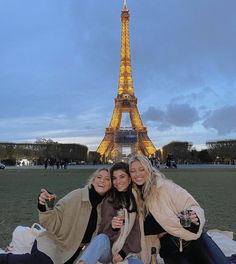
(23, 238)
(224, 240)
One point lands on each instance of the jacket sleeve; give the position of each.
(184, 200)
(52, 219)
(132, 243)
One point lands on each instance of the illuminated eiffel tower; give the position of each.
(116, 138)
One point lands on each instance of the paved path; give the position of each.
(181, 166)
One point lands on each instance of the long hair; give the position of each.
(122, 199)
(154, 178)
(93, 176)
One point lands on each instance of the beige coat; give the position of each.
(66, 225)
(166, 202)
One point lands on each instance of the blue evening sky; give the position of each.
(59, 69)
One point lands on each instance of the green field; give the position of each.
(214, 189)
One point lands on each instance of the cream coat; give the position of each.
(124, 231)
(66, 225)
(165, 203)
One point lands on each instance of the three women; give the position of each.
(73, 221)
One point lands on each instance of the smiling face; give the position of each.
(138, 173)
(102, 182)
(120, 180)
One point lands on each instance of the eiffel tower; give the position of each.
(116, 138)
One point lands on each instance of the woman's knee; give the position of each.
(98, 249)
(102, 238)
(206, 249)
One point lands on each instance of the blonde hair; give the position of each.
(94, 175)
(154, 178)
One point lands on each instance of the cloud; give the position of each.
(179, 115)
(182, 115)
(153, 114)
(223, 120)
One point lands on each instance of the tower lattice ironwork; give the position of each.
(116, 137)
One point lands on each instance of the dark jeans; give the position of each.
(201, 251)
(36, 257)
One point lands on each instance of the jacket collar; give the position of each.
(85, 194)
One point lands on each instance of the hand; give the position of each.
(194, 218)
(43, 196)
(117, 258)
(116, 222)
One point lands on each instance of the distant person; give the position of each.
(46, 164)
(58, 164)
(65, 164)
(161, 204)
(52, 163)
(170, 162)
(62, 162)
(119, 232)
(70, 224)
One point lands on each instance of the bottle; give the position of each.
(153, 255)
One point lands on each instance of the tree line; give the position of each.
(45, 150)
(223, 151)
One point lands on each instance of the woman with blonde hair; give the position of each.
(162, 205)
(70, 225)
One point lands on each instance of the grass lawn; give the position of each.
(213, 188)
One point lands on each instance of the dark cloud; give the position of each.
(153, 114)
(180, 115)
(223, 120)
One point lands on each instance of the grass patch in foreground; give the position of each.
(213, 189)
